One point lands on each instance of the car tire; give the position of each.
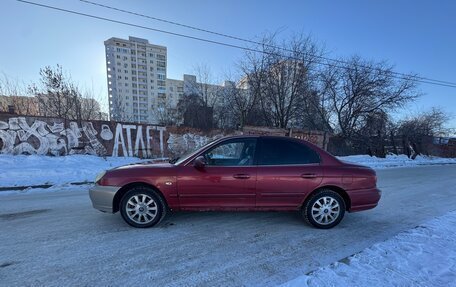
(142, 207)
(324, 209)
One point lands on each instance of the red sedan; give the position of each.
(240, 173)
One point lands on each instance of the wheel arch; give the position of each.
(124, 189)
(334, 188)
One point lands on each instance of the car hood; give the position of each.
(147, 164)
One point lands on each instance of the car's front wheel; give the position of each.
(142, 207)
(324, 209)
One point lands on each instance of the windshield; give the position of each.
(180, 159)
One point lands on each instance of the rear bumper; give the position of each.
(102, 197)
(363, 199)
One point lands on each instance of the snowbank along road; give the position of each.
(59, 239)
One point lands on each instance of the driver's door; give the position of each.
(227, 181)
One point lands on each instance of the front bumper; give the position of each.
(102, 197)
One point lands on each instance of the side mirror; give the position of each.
(199, 162)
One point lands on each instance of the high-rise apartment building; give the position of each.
(138, 87)
(136, 79)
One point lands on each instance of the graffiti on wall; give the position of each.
(52, 137)
(140, 145)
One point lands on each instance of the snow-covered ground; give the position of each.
(423, 256)
(22, 170)
(396, 161)
(58, 239)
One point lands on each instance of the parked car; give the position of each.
(248, 173)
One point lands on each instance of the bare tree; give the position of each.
(280, 77)
(91, 105)
(59, 97)
(194, 112)
(357, 90)
(428, 123)
(166, 114)
(55, 96)
(415, 130)
(15, 94)
(314, 113)
(204, 86)
(237, 106)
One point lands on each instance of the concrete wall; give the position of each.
(58, 137)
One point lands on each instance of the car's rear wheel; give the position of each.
(324, 209)
(142, 207)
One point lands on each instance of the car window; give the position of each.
(180, 159)
(232, 153)
(283, 152)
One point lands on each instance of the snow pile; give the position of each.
(423, 256)
(396, 161)
(24, 170)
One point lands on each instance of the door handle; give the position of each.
(241, 176)
(308, 175)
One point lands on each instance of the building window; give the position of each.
(161, 64)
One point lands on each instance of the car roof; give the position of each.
(255, 136)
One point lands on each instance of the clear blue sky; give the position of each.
(416, 36)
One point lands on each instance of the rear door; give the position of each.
(287, 171)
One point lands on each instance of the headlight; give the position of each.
(100, 176)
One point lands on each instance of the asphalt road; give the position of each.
(56, 238)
